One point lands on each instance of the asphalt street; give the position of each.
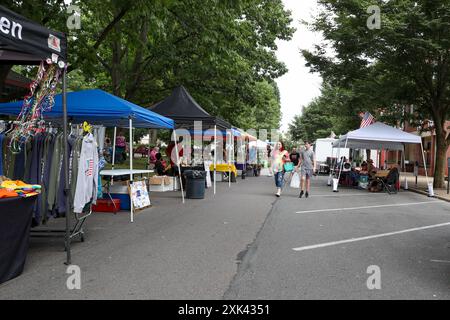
(244, 243)
(299, 253)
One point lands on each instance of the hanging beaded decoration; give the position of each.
(40, 100)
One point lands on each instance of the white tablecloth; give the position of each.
(123, 172)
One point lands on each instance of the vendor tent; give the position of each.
(184, 110)
(98, 107)
(25, 42)
(379, 136)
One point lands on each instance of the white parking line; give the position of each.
(349, 195)
(371, 207)
(443, 261)
(327, 244)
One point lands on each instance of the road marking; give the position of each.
(370, 207)
(327, 244)
(349, 195)
(444, 261)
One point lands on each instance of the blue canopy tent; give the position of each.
(97, 107)
(102, 108)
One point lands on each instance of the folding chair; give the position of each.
(390, 183)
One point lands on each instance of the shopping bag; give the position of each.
(288, 167)
(208, 175)
(295, 181)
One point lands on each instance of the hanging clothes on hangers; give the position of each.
(87, 178)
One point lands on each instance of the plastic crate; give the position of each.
(124, 200)
(106, 205)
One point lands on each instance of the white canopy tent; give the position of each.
(379, 136)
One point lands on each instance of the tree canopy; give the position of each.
(405, 62)
(223, 52)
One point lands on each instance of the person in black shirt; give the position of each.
(294, 156)
(160, 165)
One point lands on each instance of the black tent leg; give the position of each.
(66, 169)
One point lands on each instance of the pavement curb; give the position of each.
(426, 194)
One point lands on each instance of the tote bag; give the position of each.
(288, 167)
(295, 181)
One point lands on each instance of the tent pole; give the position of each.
(66, 168)
(114, 154)
(424, 163)
(403, 158)
(229, 164)
(215, 156)
(342, 162)
(178, 164)
(114, 148)
(337, 156)
(131, 168)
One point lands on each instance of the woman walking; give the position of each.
(279, 158)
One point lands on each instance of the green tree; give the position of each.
(335, 110)
(404, 62)
(223, 52)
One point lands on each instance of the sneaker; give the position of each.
(278, 194)
(306, 194)
(301, 194)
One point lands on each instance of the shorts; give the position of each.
(308, 173)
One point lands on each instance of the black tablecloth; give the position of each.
(15, 223)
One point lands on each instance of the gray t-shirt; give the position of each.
(307, 157)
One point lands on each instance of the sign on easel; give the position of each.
(140, 198)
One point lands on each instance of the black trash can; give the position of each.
(195, 184)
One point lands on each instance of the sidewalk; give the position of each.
(421, 186)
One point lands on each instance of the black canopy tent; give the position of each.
(184, 110)
(25, 42)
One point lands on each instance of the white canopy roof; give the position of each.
(258, 144)
(377, 136)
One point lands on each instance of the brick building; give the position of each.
(413, 153)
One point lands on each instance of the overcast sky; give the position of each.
(298, 87)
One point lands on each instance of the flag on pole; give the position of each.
(366, 119)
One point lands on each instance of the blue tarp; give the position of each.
(97, 107)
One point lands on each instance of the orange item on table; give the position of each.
(6, 193)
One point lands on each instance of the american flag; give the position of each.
(366, 119)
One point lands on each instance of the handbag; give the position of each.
(288, 167)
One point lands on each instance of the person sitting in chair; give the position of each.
(371, 170)
(392, 179)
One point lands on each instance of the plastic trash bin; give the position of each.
(195, 184)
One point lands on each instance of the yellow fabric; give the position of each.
(17, 185)
(224, 167)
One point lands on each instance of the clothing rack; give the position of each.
(79, 218)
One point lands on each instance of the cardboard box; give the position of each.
(160, 180)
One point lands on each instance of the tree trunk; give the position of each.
(153, 136)
(441, 152)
